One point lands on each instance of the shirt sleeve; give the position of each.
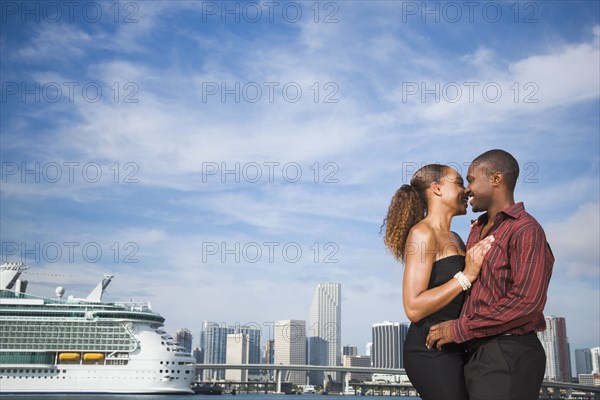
(531, 262)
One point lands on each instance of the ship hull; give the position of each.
(101, 379)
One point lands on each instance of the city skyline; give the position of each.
(562, 365)
(233, 155)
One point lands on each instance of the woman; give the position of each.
(436, 275)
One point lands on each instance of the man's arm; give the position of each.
(531, 263)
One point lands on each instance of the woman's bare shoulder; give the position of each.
(421, 233)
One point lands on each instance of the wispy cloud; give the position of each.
(218, 100)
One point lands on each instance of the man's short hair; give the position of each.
(497, 160)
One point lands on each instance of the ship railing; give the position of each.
(134, 305)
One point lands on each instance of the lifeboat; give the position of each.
(93, 357)
(68, 356)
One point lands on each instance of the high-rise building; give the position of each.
(198, 354)
(583, 361)
(403, 332)
(357, 361)
(213, 340)
(184, 338)
(324, 336)
(349, 351)
(556, 345)
(595, 355)
(269, 357)
(388, 343)
(290, 348)
(270, 352)
(369, 348)
(238, 352)
(254, 335)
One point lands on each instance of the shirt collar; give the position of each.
(515, 212)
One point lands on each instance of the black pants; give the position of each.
(505, 367)
(436, 375)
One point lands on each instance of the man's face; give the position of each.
(479, 187)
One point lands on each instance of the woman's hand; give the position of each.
(475, 256)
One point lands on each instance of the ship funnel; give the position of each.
(96, 294)
(21, 286)
(9, 273)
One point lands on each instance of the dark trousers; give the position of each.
(505, 367)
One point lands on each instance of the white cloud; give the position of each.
(575, 243)
(58, 42)
(371, 134)
(486, 93)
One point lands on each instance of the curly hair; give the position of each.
(408, 207)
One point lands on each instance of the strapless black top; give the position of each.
(441, 272)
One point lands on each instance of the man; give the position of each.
(503, 310)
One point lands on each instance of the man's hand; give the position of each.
(440, 335)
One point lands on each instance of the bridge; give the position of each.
(590, 392)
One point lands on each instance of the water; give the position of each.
(240, 396)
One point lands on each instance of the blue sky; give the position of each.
(223, 158)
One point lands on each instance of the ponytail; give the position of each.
(406, 210)
(408, 207)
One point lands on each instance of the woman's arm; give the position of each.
(419, 302)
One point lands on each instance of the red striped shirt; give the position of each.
(510, 293)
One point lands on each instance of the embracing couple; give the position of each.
(475, 309)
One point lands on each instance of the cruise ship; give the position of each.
(56, 345)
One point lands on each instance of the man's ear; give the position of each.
(497, 178)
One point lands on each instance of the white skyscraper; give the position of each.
(238, 352)
(325, 334)
(290, 348)
(595, 356)
(388, 343)
(556, 345)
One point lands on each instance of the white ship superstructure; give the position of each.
(84, 345)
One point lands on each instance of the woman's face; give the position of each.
(453, 192)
